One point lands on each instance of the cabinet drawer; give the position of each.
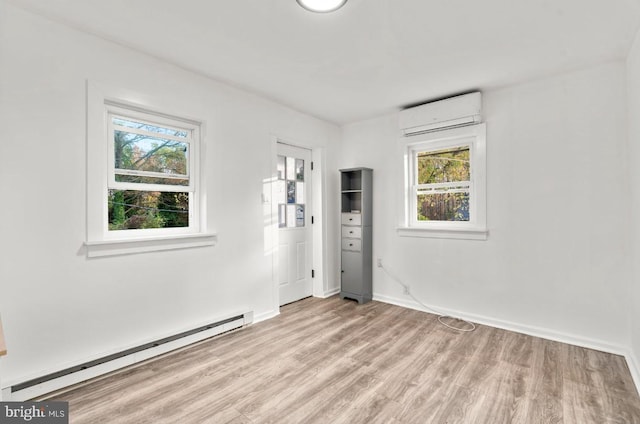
(351, 232)
(351, 219)
(352, 244)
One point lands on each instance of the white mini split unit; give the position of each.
(448, 113)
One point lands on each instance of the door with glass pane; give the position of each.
(293, 197)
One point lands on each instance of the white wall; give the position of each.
(633, 113)
(60, 308)
(555, 263)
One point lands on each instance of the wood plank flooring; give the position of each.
(334, 361)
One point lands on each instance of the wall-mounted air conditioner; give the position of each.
(452, 112)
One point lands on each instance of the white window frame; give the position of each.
(192, 129)
(473, 137)
(113, 109)
(101, 173)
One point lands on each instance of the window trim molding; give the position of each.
(444, 233)
(476, 227)
(95, 249)
(99, 240)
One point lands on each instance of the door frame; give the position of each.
(318, 211)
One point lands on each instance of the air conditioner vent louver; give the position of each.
(453, 112)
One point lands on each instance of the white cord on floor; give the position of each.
(429, 308)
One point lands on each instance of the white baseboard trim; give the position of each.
(330, 293)
(634, 368)
(80, 376)
(530, 330)
(265, 316)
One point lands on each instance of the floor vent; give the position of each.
(124, 353)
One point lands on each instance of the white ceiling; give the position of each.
(369, 58)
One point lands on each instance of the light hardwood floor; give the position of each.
(334, 361)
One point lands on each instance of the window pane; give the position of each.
(282, 216)
(444, 166)
(281, 167)
(291, 168)
(299, 215)
(291, 192)
(300, 193)
(147, 153)
(443, 207)
(291, 216)
(300, 169)
(148, 127)
(132, 209)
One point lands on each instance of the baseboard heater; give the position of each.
(240, 320)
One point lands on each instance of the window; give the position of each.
(290, 192)
(143, 188)
(445, 184)
(151, 185)
(441, 184)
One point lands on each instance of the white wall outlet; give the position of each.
(379, 262)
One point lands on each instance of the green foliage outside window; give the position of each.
(137, 209)
(445, 203)
(132, 209)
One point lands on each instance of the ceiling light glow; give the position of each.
(321, 6)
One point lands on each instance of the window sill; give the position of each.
(444, 233)
(101, 248)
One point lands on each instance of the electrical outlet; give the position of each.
(405, 290)
(379, 262)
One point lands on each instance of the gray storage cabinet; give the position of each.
(356, 186)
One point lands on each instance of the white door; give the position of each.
(293, 197)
